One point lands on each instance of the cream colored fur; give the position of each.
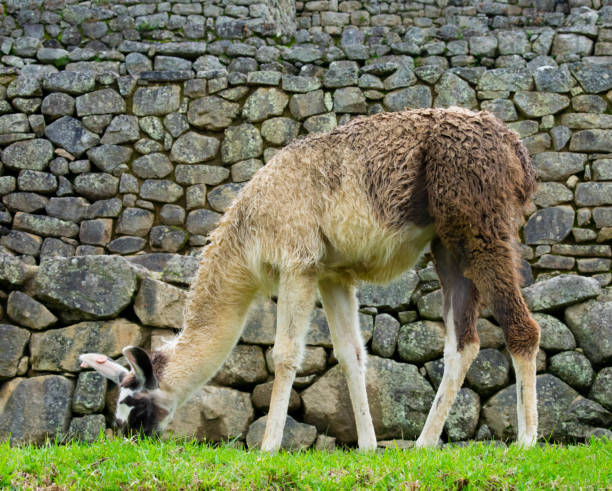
(304, 221)
(304, 238)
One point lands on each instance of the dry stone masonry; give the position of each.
(127, 128)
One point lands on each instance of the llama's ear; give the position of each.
(104, 366)
(141, 364)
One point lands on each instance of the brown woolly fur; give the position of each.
(360, 203)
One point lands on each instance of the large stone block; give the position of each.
(602, 388)
(34, 409)
(44, 225)
(193, 148)
(451, 90)
(591, 141)
(463, 417)
(86, 428)
(30, 154)
(13, 341)
(27, 312)
(398, 395)
(70, 134)
(394, 294)
(212, 112)
(90, 393)
(553, 166)
(87, 287)
(594, 193)
(14, 272)
(159, 304)
(550, 225)
(591, 323)
(421, 341)
(213, 414)
(72, 82)
(560, 291)
(264, 103)
(260, 326)
(489, 372)
(594, 78)
(240, 143)
(554, 398)
(105, 101)
(537, 104)
(58, 350)
(245, 365)
(554, 335)
(156, 101)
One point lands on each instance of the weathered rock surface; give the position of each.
(86, 428)
(13, 340)
(554, 335)
(87, 287)
(489, 372)
(601, 391)
(463, 417)
(262, 394)
(260, 327)
(213, 414)
(384, 337)
(421, 341)
(58, 350)
(395, 294)
(590, 323)
(246, 364)
(89, 393)
(34, 409)
(399, 399)
(560, 291)
(27, 312)
(573, 368)
(159, 304)
(554, 399)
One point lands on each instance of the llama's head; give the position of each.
(140, 408)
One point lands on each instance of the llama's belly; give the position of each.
(378, 255)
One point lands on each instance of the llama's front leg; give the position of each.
(340, 306)
(296, 298)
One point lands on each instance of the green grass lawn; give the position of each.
(123, 464)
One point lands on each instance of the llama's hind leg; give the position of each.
(497, 274)
(296, 298)
(461, 308)
(340, 306)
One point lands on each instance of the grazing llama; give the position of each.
(357, 203)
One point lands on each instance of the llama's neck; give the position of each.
(219, 301)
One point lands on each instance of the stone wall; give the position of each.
(127, 128)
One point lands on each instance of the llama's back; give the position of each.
(367, 195)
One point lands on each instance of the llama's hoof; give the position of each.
(368, 447)
(526, 441)
(269, 447)
(423, 443)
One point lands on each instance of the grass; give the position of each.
(148, 464)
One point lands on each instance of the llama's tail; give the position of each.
(529, 173)
(479, 177)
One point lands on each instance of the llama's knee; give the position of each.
(351, 356)
(523, 337)
(287, 356)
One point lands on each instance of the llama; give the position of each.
(360, 202)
